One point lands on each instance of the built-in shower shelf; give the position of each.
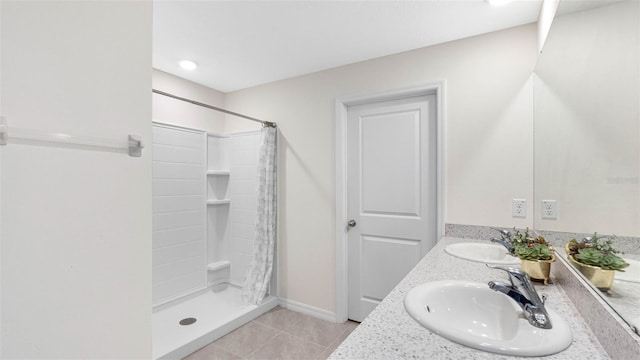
(218, 173)
(219, 202)
(218, 265)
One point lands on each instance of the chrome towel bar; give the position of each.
(132, 146)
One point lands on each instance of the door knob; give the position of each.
(352, 223)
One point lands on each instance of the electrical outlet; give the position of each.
(549, 209)
(519, 208)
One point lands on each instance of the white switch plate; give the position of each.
(549, 209)
(519, 208)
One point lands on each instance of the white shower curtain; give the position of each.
(258, 275)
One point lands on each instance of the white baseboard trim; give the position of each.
(307, 309)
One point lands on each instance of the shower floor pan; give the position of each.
(216, 314)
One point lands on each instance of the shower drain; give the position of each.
(187, 321)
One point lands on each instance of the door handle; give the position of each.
(351, 223)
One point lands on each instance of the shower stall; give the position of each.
(205, 204)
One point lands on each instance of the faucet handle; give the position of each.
(516, 273)
(508, 269)
(504, 233)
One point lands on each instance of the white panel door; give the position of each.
(391, 190)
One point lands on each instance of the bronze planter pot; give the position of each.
(600, 278)
(538, 269)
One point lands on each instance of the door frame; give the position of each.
(341, 108)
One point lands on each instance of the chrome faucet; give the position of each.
(522, 291)
(504, 240)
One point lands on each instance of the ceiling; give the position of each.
(240, 44)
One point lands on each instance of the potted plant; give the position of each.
(535, 253)
(596, 259)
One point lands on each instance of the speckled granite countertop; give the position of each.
(390, 333)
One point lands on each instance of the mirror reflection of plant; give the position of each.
(597, 251)
(529, 247)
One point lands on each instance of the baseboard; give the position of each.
(307, 309)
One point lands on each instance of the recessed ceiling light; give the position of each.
(498, 2)
(188, 64)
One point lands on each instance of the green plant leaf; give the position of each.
(534, 252)
(595, 257)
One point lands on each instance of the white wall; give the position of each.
(488, 109)
(76, 235)
(180, 113)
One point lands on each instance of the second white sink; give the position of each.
(480, 252)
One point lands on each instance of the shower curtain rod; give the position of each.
(264, 123)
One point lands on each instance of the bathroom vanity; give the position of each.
(390, 333)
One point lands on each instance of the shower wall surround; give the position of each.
(179, 228)
(218, 203)
(242, 190)
(204, 208)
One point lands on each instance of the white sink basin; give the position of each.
(473, 315)
(631, 273)
(484, 253)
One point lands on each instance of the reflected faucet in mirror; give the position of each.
(504, 240)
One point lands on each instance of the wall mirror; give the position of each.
(587, 133)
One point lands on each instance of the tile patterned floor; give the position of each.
(279, 334)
